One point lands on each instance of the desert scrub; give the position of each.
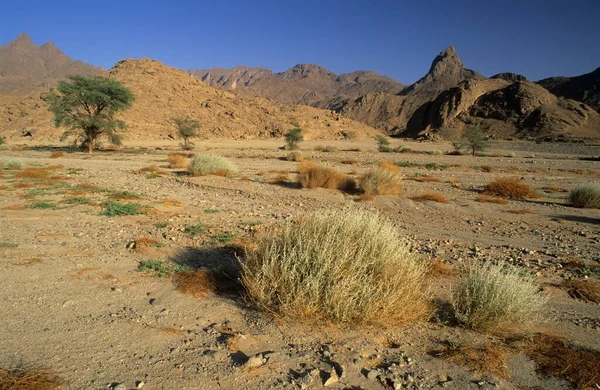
(342, 266)
(311, 175)
(509, 187)
(491, 295)
(160, 268)
(587, 197)
(119, 209)
(382, 181)
(177, 160)
(211, 165)
(295, 156)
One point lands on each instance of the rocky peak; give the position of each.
(306, 70)
(22, 41)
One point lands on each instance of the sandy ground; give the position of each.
(72, 300)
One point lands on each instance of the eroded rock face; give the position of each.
(584, 88)
(512, 77)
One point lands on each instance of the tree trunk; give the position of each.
(90, 146)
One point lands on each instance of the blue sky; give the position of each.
(537, 38)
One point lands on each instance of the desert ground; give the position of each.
(74, 301)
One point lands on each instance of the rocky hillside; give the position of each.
(302, 84)
(25, 66)
(391, 113)
(584, 88)
(163, 93)
(504, 109)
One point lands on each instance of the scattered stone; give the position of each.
(119, 386)
(255, 361)
(331, 379)
(139, 384)
(373, 375)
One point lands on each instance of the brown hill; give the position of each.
(24, 66)
(504, 109)
(163, 93)
(302, 84)
(392, 112)
(584, 88)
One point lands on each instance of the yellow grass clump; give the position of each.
(342, 266)
(509, 187)
(382, 180)
(177, 160)
(203, 165)
(311, 175)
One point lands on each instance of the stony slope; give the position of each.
(24, 66)
(584, 88)
(163, 93)
(504, 109)
(302, 84)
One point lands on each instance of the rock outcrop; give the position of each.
(584, 88)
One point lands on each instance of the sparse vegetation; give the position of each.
(160, 268)
(211, 165)
(587, 197)
(491, 295)
(346, 266)
(197, 283)
(113, 209)
(383, 143)
(402, 149)
(509, 187)
(473, 138)
(312, 175)
(86, 106)
(382, 180)
(42, 205)
(4, 244)
(14, 165)
(295, 156)
(194, 229)
(177, 160)
(77, 200)
(431, 196)
(293, 138)
(489, 199)
(28, 379)
(186, 129)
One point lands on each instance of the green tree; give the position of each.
(86, 106)
(473, 139)
(293, 137)
(186, 129)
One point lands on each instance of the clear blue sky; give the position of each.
(398, 38)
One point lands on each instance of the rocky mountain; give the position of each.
(163, 93)
(25, 66)
(504, 109)
(305, 84)
(584, 88)
(391, 112)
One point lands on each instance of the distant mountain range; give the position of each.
(447, 98)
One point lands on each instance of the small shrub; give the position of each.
(486, 168)
(435, 152)
(177, 160)
(152, 168)
(77, 200)
(344, 266)
(161, 225)
(56, 154)
(383, 144)
(431, 196)
(42, 205)
(211, 165)
(381, 181)
(587, 197)
(389, 166)
(314, 176)
(4, 244)
(121, 209)
(407, 164)
(195, 283)
(160, 268)
(491, 295)
(293, 138)
(402, 149)
(509, 187)
(473, 139)
(144, 242)
(331, 149)
(194, 229)
(295, 156)
(225, 237)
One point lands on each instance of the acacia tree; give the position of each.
(473, 138)
(293, 137)
(86, 106)
(186, 128)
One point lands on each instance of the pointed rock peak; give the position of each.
(450, 51)
(447, 61)
(304, 69)
(49, 45)
(22, 40)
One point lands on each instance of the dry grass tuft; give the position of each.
(177, 160)
(281, 178)
(390, 166)
(454, 182)
(587, 197)
(382, 181)
(195, 283)
(488, 296)
(486, 168)
(425, 179)
(432, 196)
(36, 173)
(488, 199)
(342, 266)
(144, 242)
(172, 203)
(203, 165)
(351, 161)
(441, 269)
(585, 289)
(153, 168)
(27, 379)
(295, 156)
(56, 154)
(553, 190)
(520, 211)
(554, 357)
(485, 359)
(509, 187)
(311, 175)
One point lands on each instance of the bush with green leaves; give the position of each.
(186, 129)
(293, 138)
(490, 295)
(207, 164)
(383, 143)
(113, 208)
(341, 266)
(587, 197)
(473, 139)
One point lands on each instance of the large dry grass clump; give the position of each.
(177, 160)
(509, 187)
(431, 196)
(382, 181)
(211, 165)
(587, 197)
(344, 267)
(311, 175)
(491, 295)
